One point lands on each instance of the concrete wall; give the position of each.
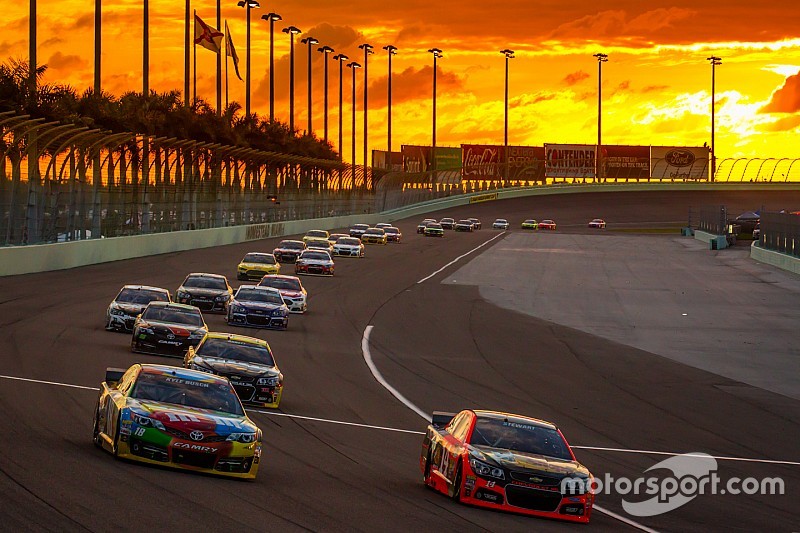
(58, 256)
(776, 259)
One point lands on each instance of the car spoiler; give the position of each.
(440, 418)
(113, 375)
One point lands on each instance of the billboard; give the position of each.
(481, 162)
(679, 162)
(570, 161)
(625, 162)
(448, 158)
(416, 159)
(526, 163)
(387, 160)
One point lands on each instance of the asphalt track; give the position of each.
(443, 345)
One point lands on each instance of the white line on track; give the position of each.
(15, 378)
(460, 257)
(636, 525)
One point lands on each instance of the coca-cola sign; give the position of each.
(680, 158)
(481, 161)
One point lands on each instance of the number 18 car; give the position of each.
(176, 417)
(506, 462)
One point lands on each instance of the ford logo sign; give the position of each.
(680, 158)
(196, 435)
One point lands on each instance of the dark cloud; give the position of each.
(413, 83)
(654, 88)
(786, 99)
(59, 61)
(575, 77)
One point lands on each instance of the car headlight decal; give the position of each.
(483, 469)
(146, 421)
(245, 438)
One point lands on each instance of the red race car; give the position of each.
(506, 462)
(547, 224)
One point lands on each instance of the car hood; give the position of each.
(258, 266)
(189, 419)
(347, 246)
(324, 262)
(228, 367)
(257, 305)
(133, 309)
(287, 250)
(529, 462)
(179, 330)
(290, 293)
(200, 291)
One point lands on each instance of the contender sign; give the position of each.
(570, 161)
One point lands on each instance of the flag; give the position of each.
(231, 50)
(206, 36)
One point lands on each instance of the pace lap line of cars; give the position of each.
(192, 417)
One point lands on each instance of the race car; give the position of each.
(434, 229)
(129, 303)
(530, 224)
(547, 224)
(336, 236)
(175, 417)
(464, 225)
(506, 462)
(291, 289)
(374, 236)
(500, 223)
(597, 223)
(476, 224)
(325, 246)
(448, 223)
(393, 234)
(257, 265)
(315, 263)
(349, 247)
(288, 250)
(246, 361)
(421, 226)
(166, 328)
(208, 292)
(357, 230)
(383, 225)
(319, 235)
(258, 307)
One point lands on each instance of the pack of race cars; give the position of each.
(193, 417)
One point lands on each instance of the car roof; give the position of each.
(290, 240)
(238, 338)
(259, 253)
(205, 275)
(173, 304)
(144, 288)
(281, 276)
(185, 373)
(256, 287)
(500, 415)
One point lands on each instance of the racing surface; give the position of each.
(445, 346)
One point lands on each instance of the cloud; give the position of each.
(786, 99)
(414, 83)
(59, 61)
(782, 125)
(654, 88)
(575, 77)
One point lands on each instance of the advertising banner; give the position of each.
(387, 160)
(525, 163)
(481, 162)
(625, 162)
(448, 158)
(416, 159)
(574, 161)
(679, 162)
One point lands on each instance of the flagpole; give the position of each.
(194, 69)
(186, 58)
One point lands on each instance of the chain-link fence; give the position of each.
(781, 232)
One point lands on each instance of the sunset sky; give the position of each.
(656, 85)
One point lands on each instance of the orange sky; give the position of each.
(656, 85)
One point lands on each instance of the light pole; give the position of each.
(98, 44)
(292, 31)
(391, 50)
(353, 66)
(509, 54)
(437, 54)
(325, 51)
(310, 41)
(601, 58)
(271, 17)
(247, 5)
(714, 62)
(341, 58)
(367, 51)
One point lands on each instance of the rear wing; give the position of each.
(113, 375)
(440, 418)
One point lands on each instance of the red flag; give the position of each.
(206, 36)
(231, 50)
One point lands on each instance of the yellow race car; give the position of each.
(256, 265)
(316, 235)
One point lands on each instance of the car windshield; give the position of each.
(214, 395)
(291, 245)
(548, 222)
(519, 435)
(205, 282)
(465, 222)
(236, 351)
(447, 220)
(173, 315)
(258, 295)
(349, 241)
(393, 231)
(434, 225)
(530, 222)
(501, 220)
(141, 296)
(281, 283)
(264, 259)
(317, 233)
(316, 256)
(319, 244)
(360, 226)
(375, 231)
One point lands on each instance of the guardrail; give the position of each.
(780, 232)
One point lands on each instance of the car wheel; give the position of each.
(426, 471)
(456, 495)
(96, 427)
(116, 440)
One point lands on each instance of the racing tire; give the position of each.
(426, 471)
(241, 278)
(116, 440)
(456, 496)
(96, 427)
